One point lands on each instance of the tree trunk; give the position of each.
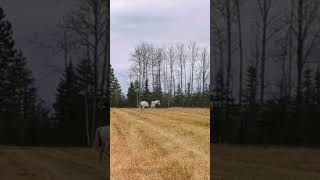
(290, 51)
(96, 43)
(65, 48)
(228, 8)
(240, 49)
(93, 124)
(300, 46)
(263, 53)
(87, 118)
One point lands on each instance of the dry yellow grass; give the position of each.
(41, 163)
(265, 163)
(160, 144)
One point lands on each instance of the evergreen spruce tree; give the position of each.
(84, 72)
(17, 91)
(116, 97)
(205, 97)
(132, 96)
(146, 96)
(85, 80)
(179, 96)
(248, 125)
(24, 95)
(67, 107)
(136, 86)
(250, 91)
(157, 92)
(307, 86)
(218, 91)
(188, 96)
(7, 53)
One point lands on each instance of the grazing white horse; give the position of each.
(102, 141)
(154, 103)
(143, 104)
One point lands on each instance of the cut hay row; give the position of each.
(159, 144)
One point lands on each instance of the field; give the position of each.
(161, 144)
(265, 163)
(39, 163)
(169, 143)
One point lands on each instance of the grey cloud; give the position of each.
(156, 21)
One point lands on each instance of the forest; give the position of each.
(266, 72)
(82, 94)
(177, 75)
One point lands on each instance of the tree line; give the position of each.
(21, 110)
(266, 79)
(82, 97)
(177, 76)
(82, 94)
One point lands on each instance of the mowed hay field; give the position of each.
(41, 163)
(164, 143)
(265, 163)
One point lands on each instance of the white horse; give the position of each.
(143, 104)
(154, 103)
(102, 141)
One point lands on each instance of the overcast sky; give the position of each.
(156, 21)
(38, 18)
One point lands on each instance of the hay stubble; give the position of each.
(160, 144)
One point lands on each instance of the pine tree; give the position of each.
(6, 57)
(85, 82)
(179, 96)
(218, 91)
(115, 90)
(67, 107)
(157, 92)
(24, 95)
(17, 91)
(146, 93)
(84, 73)
(137, 89)
(248, 125)
(131, 96)
(251, 85)
(307, 86)
(188, 96)
(205, 96)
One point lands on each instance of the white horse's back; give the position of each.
(144, 104)
(154, 103)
